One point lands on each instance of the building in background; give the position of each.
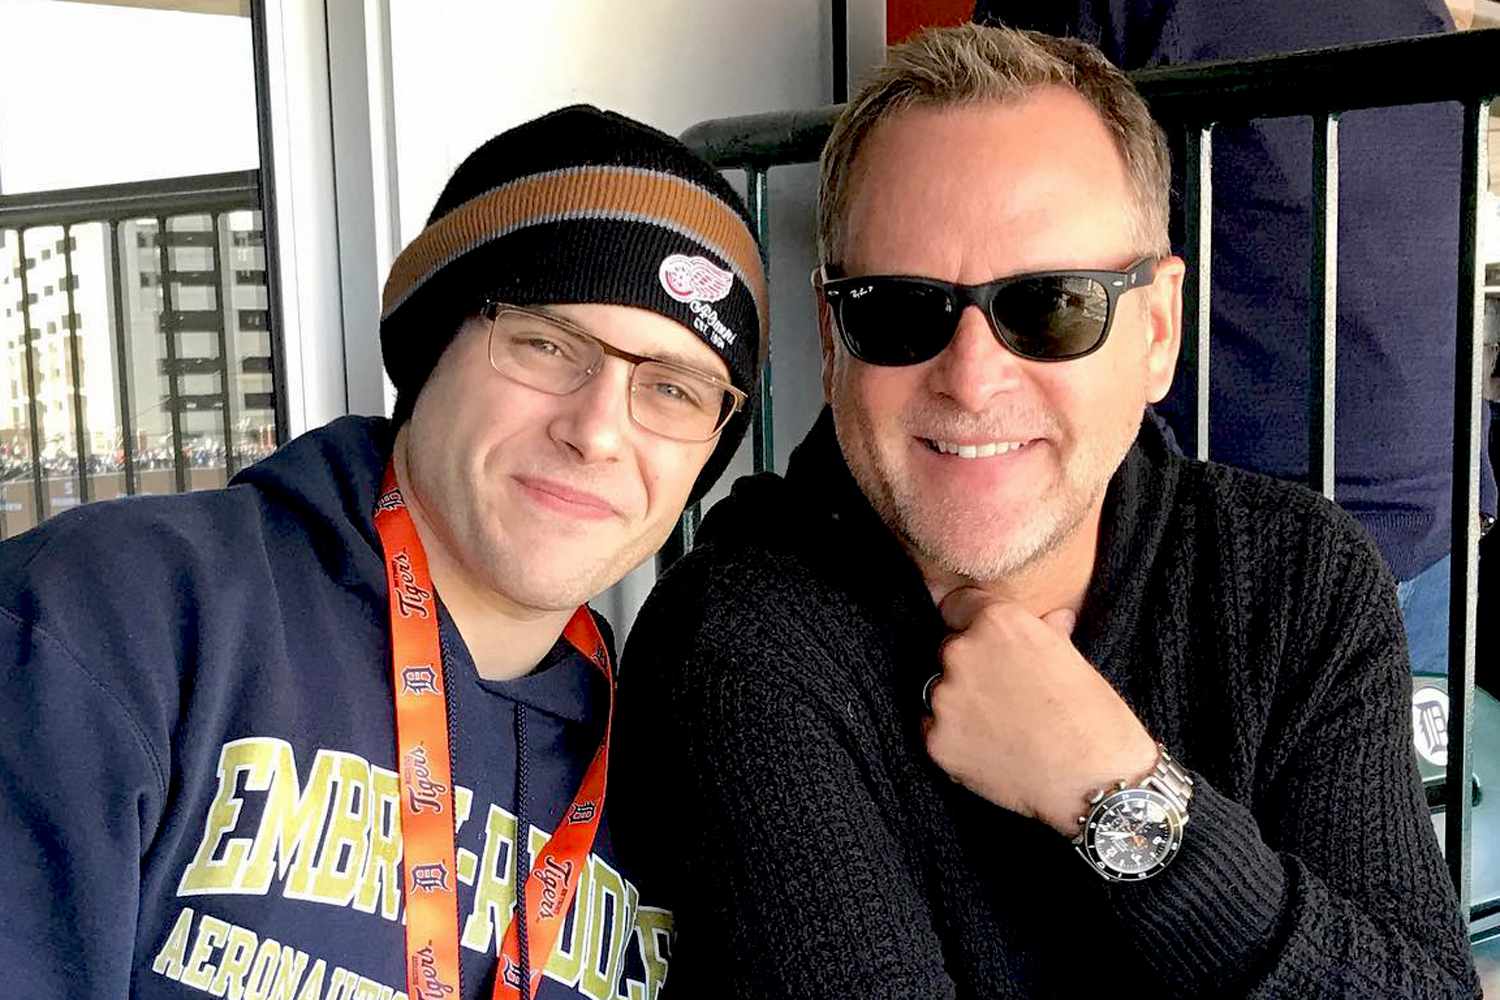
(135, 349)
(129, 383)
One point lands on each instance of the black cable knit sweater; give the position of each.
(770, 713)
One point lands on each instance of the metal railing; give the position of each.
(176, 270)
(1191, 100)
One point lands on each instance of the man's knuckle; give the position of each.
(939, 700)
(991, 613)
(957, 647)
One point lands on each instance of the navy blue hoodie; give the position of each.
(1398, 260)
(198, 791)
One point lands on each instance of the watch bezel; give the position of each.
(1088, 847)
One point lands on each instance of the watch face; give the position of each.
(1133, 833)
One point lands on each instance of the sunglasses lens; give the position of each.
(894, 321)
(1051, 317)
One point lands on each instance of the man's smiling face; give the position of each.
(984, 462)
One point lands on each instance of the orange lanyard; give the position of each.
(426, 767)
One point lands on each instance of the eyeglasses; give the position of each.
(555, 356)
(1047, 316)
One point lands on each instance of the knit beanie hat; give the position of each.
(583, 206)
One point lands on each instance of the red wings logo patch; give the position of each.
(694, 279)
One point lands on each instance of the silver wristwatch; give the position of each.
(1133, 831)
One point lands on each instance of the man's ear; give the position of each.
(825, 340)
(1163, 326)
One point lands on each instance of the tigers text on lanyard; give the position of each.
(426, 768)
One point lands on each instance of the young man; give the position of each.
(995, 695)
(309, 736)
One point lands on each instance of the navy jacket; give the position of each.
(198, 790)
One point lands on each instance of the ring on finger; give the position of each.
(927, 691)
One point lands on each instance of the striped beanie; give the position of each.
(582, 206)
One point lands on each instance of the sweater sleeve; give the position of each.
(1332, 884)
(79, 784)
(780, 866)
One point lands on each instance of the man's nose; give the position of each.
(593, 420)
(975, 367)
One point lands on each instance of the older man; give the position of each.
(994, 694)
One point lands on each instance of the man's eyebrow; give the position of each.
(683, 361)
(669, 356)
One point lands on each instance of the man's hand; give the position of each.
(1022, 719)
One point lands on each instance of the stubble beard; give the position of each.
(550, 575)
(954, 535)
(480, 554)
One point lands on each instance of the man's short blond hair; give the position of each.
(970, 64)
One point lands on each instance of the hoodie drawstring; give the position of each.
(523, 852)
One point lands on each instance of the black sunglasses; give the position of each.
(1048, 316)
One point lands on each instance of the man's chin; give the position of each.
(982, 549)
(584, 579)
(989, 564)
(558, 583)
(551, 597)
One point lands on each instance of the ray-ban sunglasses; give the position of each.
(887, 319)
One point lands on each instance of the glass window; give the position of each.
(137, 376)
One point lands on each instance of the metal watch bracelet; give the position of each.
(1167, 777)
